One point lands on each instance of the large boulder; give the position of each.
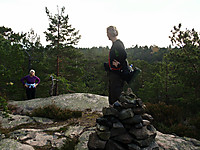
(76, 101)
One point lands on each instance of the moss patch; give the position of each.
(56, 113)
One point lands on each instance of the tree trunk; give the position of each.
(57, 74)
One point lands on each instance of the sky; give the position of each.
(139, 22)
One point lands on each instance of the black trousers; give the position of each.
(30, 93)
(115, 87)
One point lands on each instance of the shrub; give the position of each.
(172, 119)
(3, 107)
(194, 122)
(184, 130)
(167, 114)
(56, 113)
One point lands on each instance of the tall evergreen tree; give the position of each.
(61, 35)
(60, 32)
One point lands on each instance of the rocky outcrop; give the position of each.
(173, 142)
(11, 144)
(16, 120)
(76, 101)
(38, 137)
(20, 132)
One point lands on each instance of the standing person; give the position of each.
(116, 62)
(30, 84)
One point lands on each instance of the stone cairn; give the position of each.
(124, 126)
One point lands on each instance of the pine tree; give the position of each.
(60, 32)
(61, 35)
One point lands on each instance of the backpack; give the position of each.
(127, 73)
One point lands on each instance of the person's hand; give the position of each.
(35, 85)
(26, 85)
(116, 63)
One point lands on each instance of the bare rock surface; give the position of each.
(11, 144)
(83, 139)
(16, 120)
(38, 137)
(76, 101)
(74, 131)
(172, 142)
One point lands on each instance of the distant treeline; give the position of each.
(149, 54)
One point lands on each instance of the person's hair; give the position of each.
(32, 70)
(112, 30)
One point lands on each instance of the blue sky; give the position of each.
(141, 22)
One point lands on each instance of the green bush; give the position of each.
(185, 130)
(166, 114)
(4, 106)
(56, 113)
(195, 120)
(172, 119)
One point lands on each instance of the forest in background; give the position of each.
(169, 83)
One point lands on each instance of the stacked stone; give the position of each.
(124, 126)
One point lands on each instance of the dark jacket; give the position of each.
(117, 52)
